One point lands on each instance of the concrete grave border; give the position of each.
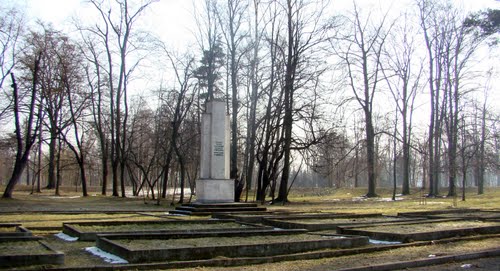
(72, 230)
(51, 257)
(19, 231)
(290, 223)
(260, 217)
(418, 236)
(231, 251)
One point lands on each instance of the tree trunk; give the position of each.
(23, 152)
(105, 170)
(51, 180)
(480, 182)
(288, 90)
(17, 173)
(406, 154)
(370, 155)
(83, 176)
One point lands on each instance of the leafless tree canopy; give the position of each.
(317, 97)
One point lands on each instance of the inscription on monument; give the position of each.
(219, 148)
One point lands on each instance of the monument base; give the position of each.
(214, 190)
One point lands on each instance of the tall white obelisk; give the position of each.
(214, 185)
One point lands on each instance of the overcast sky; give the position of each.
(173, 19)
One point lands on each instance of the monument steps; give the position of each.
(210, 208)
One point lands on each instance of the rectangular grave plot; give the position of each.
(199, 234)
(13, 230)
(426, 214)
(332, 223)
(266, 247)
(474, 215)
(253, 217)
(322, 216)
(8, 227)
(88, 231)
(29, 252)
(389, 233)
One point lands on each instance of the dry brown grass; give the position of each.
(401, 254)
(217, 241)
(352, 201)
(22, 248)
(56, 220)
(429, 227)
(156, 226)
(26, 209)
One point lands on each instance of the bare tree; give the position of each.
(253, 97)
(431, 23)
(71, 77)
(231, 17)
(304, 36)
(117, 33)
(451, 39)
(403, 82)
(362, 55)
(53, 45)
(183, 74)
(96, 82)
(269, 150)
(25, 137)
(11, 28)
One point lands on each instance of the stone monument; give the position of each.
(214, 185)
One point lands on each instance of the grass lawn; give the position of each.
(428, 227)
(158, 227)
(217, 241)
(401, 254)
(45, 210)
(346, 220)
(22, 248)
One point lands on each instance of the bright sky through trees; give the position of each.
(173, 22)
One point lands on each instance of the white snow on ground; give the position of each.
(334, 236)
(107, 257)
(382, 242)
(389, 199)
(175, 214)
(66, 237)
(363, 198)
(65, 197)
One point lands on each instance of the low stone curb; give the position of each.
(427, 262)
(227, 262)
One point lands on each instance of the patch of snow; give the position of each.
(62, 197)
(168, 214)
(334, 236)
(65, 237)
(382, 242)
(467, 265)
(389, 199)
(107, 257)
